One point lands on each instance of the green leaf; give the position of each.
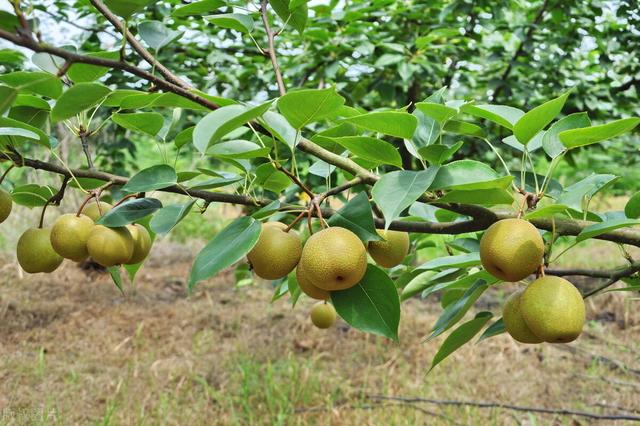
(503, 115)
(14, 131)
(5, 122)
(550, 141)
(198, 8)
(32, 195)
(455, 311)
(114, 271)
(218, 123)
(458, 282)
(31, 101)
(83, 73)
(632, 208)
(469, 175)
(589, 135)
(149, 123)
(459, 261)
(371, 149)
(392, 123)
(439, 112)
(483, 197)
(129, 212)
(575, 195)
(372, 305)
(396, 191)
(438, 154)
(157, 35)
(271, 179)
(604, 227)
(78, 98)
(463, 128)
(41, 83)
(216, 182)
(547, 211)
(294, 4)
(493, 330)
(295, 16)
(232, 21)
(152, 178)
(168, 217)
(126, 8)
(460, 336)
(280, 128)
(303, 107)
(426, 133)
(184, 137)
(357, 217)
(225, 249)
(538, 118)
(7, 96)
(238, 149)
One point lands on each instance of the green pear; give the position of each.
(308, 288)
(141, 243)
(6, 204)
(515, 323)
(276, 253)
(110, 246)
(95, 210)
(35, 253)
(392, 250)
(69, 236)
(511, 249)
(323, 315)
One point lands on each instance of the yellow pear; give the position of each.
(511, 249)
(94, 212)
(276, 253)
(553, 309)
(110, 246)
(6, 204)
(513, 321)
(323, 315)
(334, 259)
(69, 236)
(308, 288)
(35, 253)
(141, 243)
(392, 250)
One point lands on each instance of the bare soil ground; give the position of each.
(73, 350)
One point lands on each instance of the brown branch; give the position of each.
(55, 199)
(272, 49)
(85, 148)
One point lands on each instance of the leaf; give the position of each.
(550, 141)
(152, 178)
(631, 209)
(126, 8)
(149, 123)
(129, 212)
(371, 149)
(218, 123)
(426, 133)
(604, 227)
(302, 107)
(157, 35)
(438, 154)
(440, 113)
(589, 135)
(503, 115)
(78, 98)
(483, 197)
(396, 191)
(458, 282)
(392, 123)
(294, 4)
(494, 329)
(463, 128)
(168, 217)
(271, 179)
(537, 119)
(40, 83)
(547, 211)
(534, 144)
(83, 73)
(14, 131)
(238, 149)
(32, 195)
(372, 305)
(296, 16)
(232, 21)
(455, 311)
(198, 8)
(458, 261)
(5, 122)
(7, 96)
(576, 194)
(357, 217)
(267, 210)
(225, 249)
(460, 336)
(280, 128)
(114, 271)
(469, 175)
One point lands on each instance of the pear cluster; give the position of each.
(331, 259)
(77, 237)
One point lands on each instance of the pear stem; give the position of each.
(125, 198)
(92, 195)
(55, 199)
(4, 175)
(296, 220)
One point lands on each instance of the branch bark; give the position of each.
(272, 50)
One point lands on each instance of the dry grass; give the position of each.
(75, 351)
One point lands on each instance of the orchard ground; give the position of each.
(76, 350)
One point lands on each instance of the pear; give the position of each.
(276, 253)
(511, 249)
(94, 212)
(69, 236)
(515, 323)
(6, 204)
(110, 246)
(553, 309)
(392, 250)
(323, 315)
(334, 259)
(35, 253)
(141, 243)
(308, 288)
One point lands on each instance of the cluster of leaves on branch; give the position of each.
(365, 147)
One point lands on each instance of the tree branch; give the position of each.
(272, 50)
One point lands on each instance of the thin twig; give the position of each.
(272, 51)
(55, 199)
(85, 148)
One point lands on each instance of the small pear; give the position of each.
(511, 249)
(323, 315)
(6, 204)
(35, 253)
(141, 243)
(392, 250)
(94, 211)
(513, 321)
(110, 246)
(69, 236)
(553, 309)
(334, 259)
(276, 253)
(308, 288)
